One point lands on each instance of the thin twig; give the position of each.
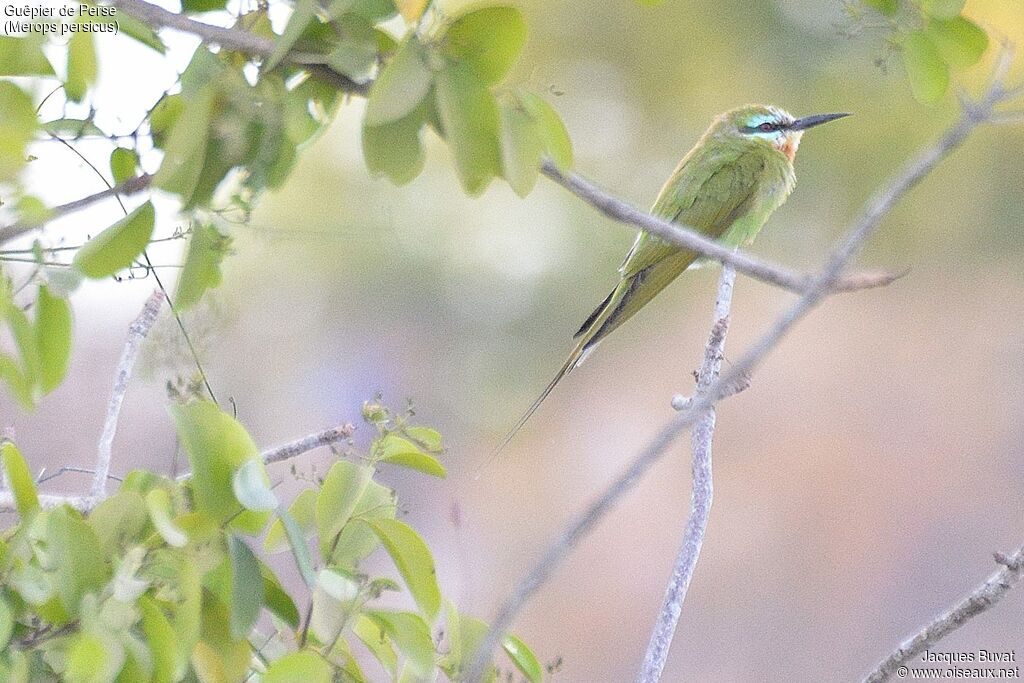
(701, 437)
(981, 599)
(128, 187)
(821, 285)
(688, 238)
(136, 333)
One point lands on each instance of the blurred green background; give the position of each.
(862, 482)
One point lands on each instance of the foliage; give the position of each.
(932, 37)
(166, 581)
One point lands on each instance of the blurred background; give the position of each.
(861, 483)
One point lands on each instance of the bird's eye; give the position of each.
(766, 127)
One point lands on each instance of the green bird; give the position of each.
(726, 187)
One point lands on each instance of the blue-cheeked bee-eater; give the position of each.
(726, 187)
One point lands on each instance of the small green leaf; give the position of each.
(143, 33)
(303, 14)
(413, 560)
(123, 164)
(23, 56)
(356, 541)
(469, 115)
(428, 438)
(928, 73)
(162, 640)
(411, 10)
(82, 66)
(277, 599)
(6, 624)
(960, 41)
(246, 588)
(411, 634)
(53, 338)
(206, 250)
(307, 667)
(942, 9)
(196, 6)
(251, 486)
(217, 445)
(523, 658)
(74, 127)
(185, 142)
(299, 549)
(355, 55)
(19, 479)
(552, 131)
(401, 86)
(342, 488)
(93, 659)
(487, 40)
(395, 149)
(82, 568)
(118, 246)
(376, 640)
(303, 509)
(521, 147)
(18, 383)
(158, 504)
(17, 126)
(399, 451)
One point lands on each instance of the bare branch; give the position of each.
(701, 438)
(981, 599)
(234, 39)
(688, 238)
(47, 500)
(128, 187)
(136, 333)
(821, 285)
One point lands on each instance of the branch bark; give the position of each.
(701, 438)
(981, 599)
(136, 334)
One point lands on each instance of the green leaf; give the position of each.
(186, 142)
(217, 445)
(521, 147)
(469, 116)
(123, 164)
(429, 439)
(158, 504)
(412, 636)
(73, 127)
(942, 9)
(886, 7)
(143, 33)
(118, 521)
(206, 251)
(18, 383)
(19, 479)
(117, 247)
(356, 541)
(303, 14)
(553, 134)
(24, 333)
(398, 451)
(376, 640)
(401, 86)
(197, 6)
(342, 488)
(277, 599)
(17, 126)
(523, 658)
(246, 588)
(374, 11)
(251, 486)
(162, 641)
(395, 149)
(82, 66)
(91, 659)
(6, 624)
(960, 41)
(412, 558)
(82, 568)
(356, 55)
(303, 509)
(486, 40)
(307, 667)
(299, 549)
(928, 73)
(53, 338)
(23, 56)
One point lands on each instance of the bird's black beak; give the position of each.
(812, 121)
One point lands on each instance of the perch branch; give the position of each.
(860, 231)
(981, 599)
(701, 437)
(136, 333)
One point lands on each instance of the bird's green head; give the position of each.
(761, 124)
